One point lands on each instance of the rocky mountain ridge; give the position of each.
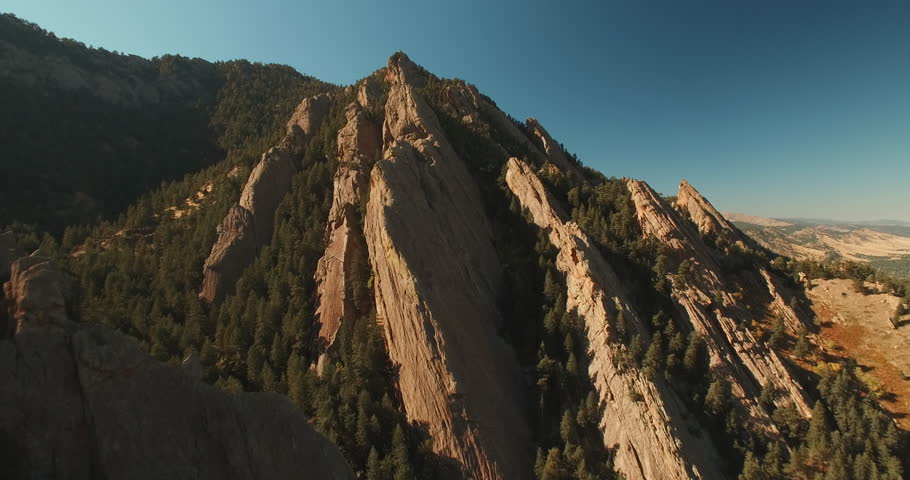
(445, 291)
(436, 277)
(643, 418)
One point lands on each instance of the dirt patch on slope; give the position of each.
(859, 326)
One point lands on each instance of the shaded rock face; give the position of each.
(269, 182)
(435, 278)
(345, 253)
(369, 93)
(651, 438)
(130, 81)
(737, 357)
(465, 102)
(248, 224)
(36, 294)
(9, 251)
(308, 116)
(82, 401)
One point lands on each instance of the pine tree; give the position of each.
(654, 357)
(400, 455)
(621, 327)
(896, 316)
(693, 359)
(296, 380)
(837, 469)
(636, 350)
(802, 348)
(539, 463)
(267, 378)
(817, 438)
(774, 460)
(551, 287)
(554, 468)
(567, 428)
(752, 469)
(374, 466)
(779, 334)
(717, 399)
(572, 365)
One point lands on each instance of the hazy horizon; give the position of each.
(774, 110)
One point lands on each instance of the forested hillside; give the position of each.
(85, 131)
(631, 336)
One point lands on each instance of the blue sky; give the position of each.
(779, 109)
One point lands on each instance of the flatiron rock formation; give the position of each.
(248, 224)
(704, 215)
(711, 222)
(653, 440)
(554, 151)
(81, 401)
(346, 253)
(436, 275)
(746, 363)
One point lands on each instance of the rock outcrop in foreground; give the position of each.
(81, 401)
(745, 363)
(643, 418)
(248, 224)
(436, 280)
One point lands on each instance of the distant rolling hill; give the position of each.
(884, 245)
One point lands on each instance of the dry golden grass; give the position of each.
(859, 326)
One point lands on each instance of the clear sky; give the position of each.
(782, 109)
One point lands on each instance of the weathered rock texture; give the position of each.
(746, 363)
(436, 277)
(248, 224)
(81, 401)
(369, 93)
(308, 116)
(652, 440)
(464, 102)
(554, 151)
(345, 253)
(704, 215)
(711, 222)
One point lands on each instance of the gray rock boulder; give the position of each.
(82, 401)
